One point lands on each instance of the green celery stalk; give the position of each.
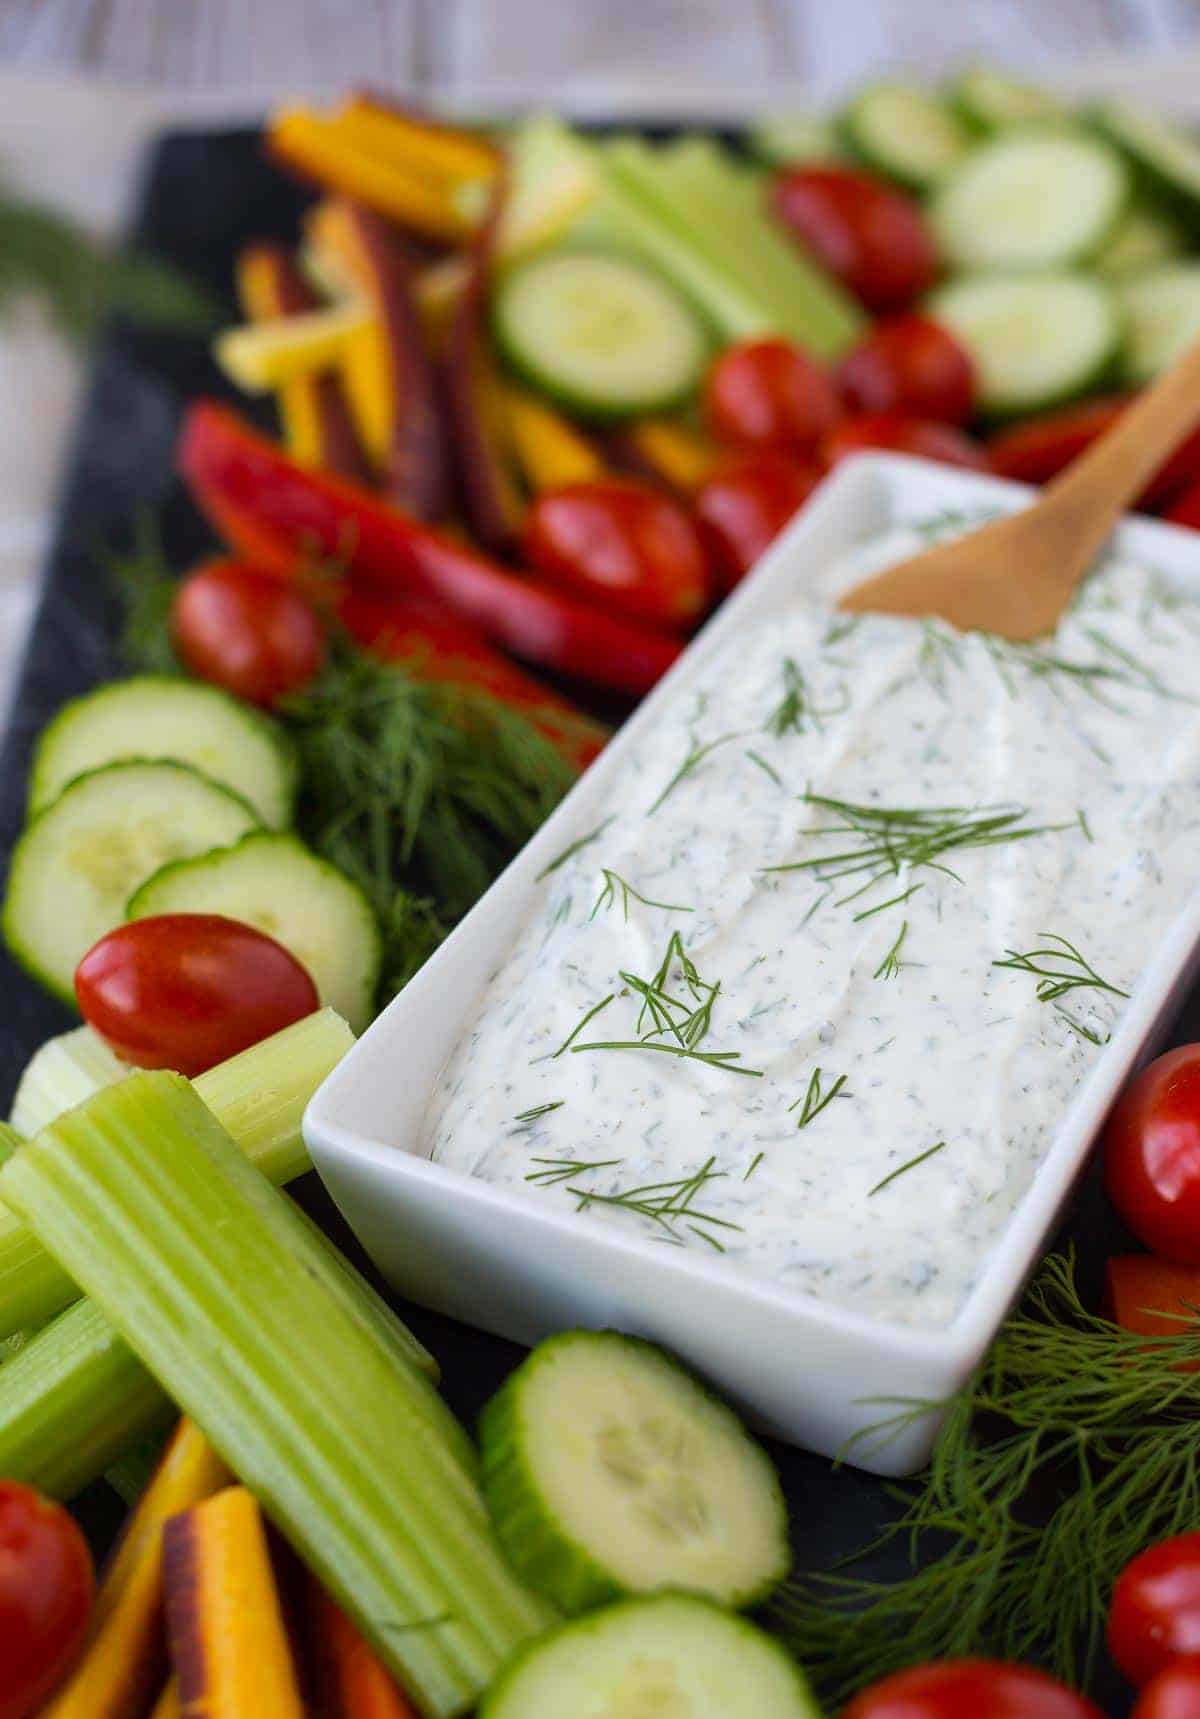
(207, 1273)
(61, 1074)
(72, 1400)
(9, 1141)
(259, 1096)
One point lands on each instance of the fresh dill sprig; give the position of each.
(579, 1026)
(891, 963)
(771, 771)
(814, 1100)
(1135, 671)
(697, 753)
(45, 254)
(887, 841)
(683, 1021)
(892, 901)
(573, 848)
(1060, 967)
(562, 1169)
(525, 1117)
(146, 588)
(1071, 1450)
(902, 1169)
(667, 1204)
(728, 1060)
(754, 1163)
(797, 709)
(614, 885)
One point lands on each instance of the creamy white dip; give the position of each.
(954, 1073)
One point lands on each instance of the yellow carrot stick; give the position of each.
(229, 1644)
(125, 1659)
(167, 1705)
(682, 456)
(550, 450)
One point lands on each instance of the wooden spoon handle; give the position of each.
(1105, 480)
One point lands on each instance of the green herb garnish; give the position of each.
(814, 1100)
(667, 1204)
(797, 709)
(1061, 968)
(575, 847)
(579, 1026)
(695, 757)
(728, 1060)
(525, 1117)
(754, 1163)
(891, 963)
(615, 885)
(562, 1169)
(903, 1168)
(771, 771)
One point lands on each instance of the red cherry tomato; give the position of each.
(744, 505)
(944, 442)
(1173, 1694)
(1152, 1156)
(871, 236)
(247, 631)
(1185, 509)
(1155, 1613)
(971, 1689)
(770, 394)
(910, 365)
(622, 541)
(187, 990)
(46, 1589)
(1037, 450)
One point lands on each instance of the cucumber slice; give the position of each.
(1165, 158)
(794, 140)
(155, 716)
(609, 1470)
(77, 863)
(600, 334)
(61, 1074)
(904, 133)
(992, 101)
(1162, 311)
(275, 883)
(1037, 199)
(671, 1655)
(1037, 340)
(1141, 240)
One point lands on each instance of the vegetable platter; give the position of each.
(688, 312)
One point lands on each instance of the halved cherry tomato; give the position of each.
(744, 506)
(911, 365)
(971, 1689)
(1173, 1694)
(1155, 1612)
(188, 990)
(46, 1588)
(871, 236)
(1152, 1155)
(944, 442)
(247, 631)
(1036, 451)
(770, 394)
(624, 542)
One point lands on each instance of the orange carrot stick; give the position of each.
(352, 1683)
(125, 1659)
(229, 1645)
(167, 1705)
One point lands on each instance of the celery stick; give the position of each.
(258, 1096)
(9, 1141)
(72, 1400)
(198, 1262)
(61, 1074)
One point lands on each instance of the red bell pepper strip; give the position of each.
(279, 515)
(1154, 1298)
(1040, 448)
(435, 645)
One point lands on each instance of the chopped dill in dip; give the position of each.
(864, 908)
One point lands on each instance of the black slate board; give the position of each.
(204, 196)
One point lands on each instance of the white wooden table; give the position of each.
(544, 46)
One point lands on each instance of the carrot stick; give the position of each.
(167, 1705)
(351, 1681)
(125, 1659)
(229, 1645)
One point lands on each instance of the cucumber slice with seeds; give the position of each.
(904, 133)
(1039, 199)
(992, 101)
(157, 716)
(1141, 240)
(599, 333)
(609, 1470)
(795, 140)
(670, 1657)
(1165, 158)
(1162, 312)
(276, 884)
(77, 863)
(1037, 340)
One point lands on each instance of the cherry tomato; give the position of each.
(1155, 1612)
(46, 1588)
(187, 990)
(623, 541)
(910, 365)
(871, 236)
(770, 394)
(247, 631)
(1152, 1156)
(1185, 509)
(944, 442)
(1173, 1694)
(1040, 448)
(744, 505)
(971, 1689)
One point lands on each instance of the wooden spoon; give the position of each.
(1016, 575)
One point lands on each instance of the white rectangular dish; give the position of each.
(804, 1370)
